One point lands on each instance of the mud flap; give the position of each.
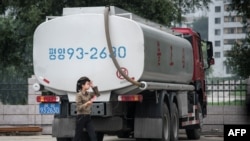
(148, 128)
(63, 127)
(148, 118)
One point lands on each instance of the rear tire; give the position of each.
(142, 139)
(64, 139)
(174, 123)
(99, 136)
(124, 135)
(166, 123)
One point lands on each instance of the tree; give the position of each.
(20, 18)
(241, 7)
(239, 60)
(187, 6)
(238, 55)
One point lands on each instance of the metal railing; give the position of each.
(219, 92)
(13, 93)
(226, 92)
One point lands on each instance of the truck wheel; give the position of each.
(166, 123)
(124, 135)
(196, 133)
(193, 134)
(99, 136)
(64, 139)
(142, 139)
(174, 123)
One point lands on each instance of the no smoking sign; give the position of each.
(119, 75)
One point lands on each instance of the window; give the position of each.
(229, 41)
(217, 55)
(233, 41)
(233, 19)
(247, 29)
(240, 41)
(226, 7)
(217, 43)
(217, 32)
(217, 9)
(229, 19)
(229, 1)
(217, 21)
(229, 30)
(241, 30)
(225, 53)
(239, 19)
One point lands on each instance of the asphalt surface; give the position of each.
(182, 137)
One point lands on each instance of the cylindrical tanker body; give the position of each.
(168, 58)
(69, 47)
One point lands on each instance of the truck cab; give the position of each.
(203, 59)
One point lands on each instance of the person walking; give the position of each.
(84, 101)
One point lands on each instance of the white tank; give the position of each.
(69, 47)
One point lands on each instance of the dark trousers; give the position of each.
(84, 121)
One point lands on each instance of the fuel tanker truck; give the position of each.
(151, 79)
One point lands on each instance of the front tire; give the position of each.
(195, 133)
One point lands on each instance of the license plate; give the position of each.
(49, 108)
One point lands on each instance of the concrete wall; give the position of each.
(28, 115)
(220, 115)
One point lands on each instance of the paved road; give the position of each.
(106, 138)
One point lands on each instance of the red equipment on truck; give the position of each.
(151, 79)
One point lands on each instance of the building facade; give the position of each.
(225, 28)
